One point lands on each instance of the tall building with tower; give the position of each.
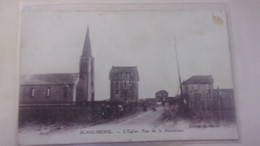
(61, 88)
(85, 85)
(124, 83)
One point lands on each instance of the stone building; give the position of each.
(161, 95)
(48, 88)
(85, 85)
(198, 90)
(206, 103)
(124, 83)
(61, 88)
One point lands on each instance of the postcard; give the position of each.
(124, 73)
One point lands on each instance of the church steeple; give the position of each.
(87, 46)
(85, 85)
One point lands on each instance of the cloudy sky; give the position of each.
(52, 42)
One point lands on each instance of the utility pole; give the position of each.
(182, 99)
(178, 67)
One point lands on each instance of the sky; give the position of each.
(52, 42)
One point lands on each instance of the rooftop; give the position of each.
(124, 69)
(49, 79)
(199, 79)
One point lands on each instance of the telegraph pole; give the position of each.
(178, 67)
(182, 100)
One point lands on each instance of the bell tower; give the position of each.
(85, 85)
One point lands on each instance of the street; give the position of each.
(148, 118)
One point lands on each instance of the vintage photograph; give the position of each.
(115, 75)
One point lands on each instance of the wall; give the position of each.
(57, 94)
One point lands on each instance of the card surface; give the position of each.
(119, 73)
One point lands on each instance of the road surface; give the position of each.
(144, 118)
(148, 119)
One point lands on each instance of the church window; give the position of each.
(48, 92)
(32, 92)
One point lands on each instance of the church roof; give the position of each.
(199, 79)
(87, 46)
(123, 69)
(49, 79)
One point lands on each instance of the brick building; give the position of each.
(198, 90)
(124, 83)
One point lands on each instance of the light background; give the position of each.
(52, 42)
(245, 52)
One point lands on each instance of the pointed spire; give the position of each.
(87, 46)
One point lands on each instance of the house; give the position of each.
(206, 103)
(198, 90)
(161, 95)
(61, 88)
(124, 83)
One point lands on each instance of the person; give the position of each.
(105, 111)
(153, 109)
(102, 110)
(120, 109)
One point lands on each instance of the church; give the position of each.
(61, 88)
